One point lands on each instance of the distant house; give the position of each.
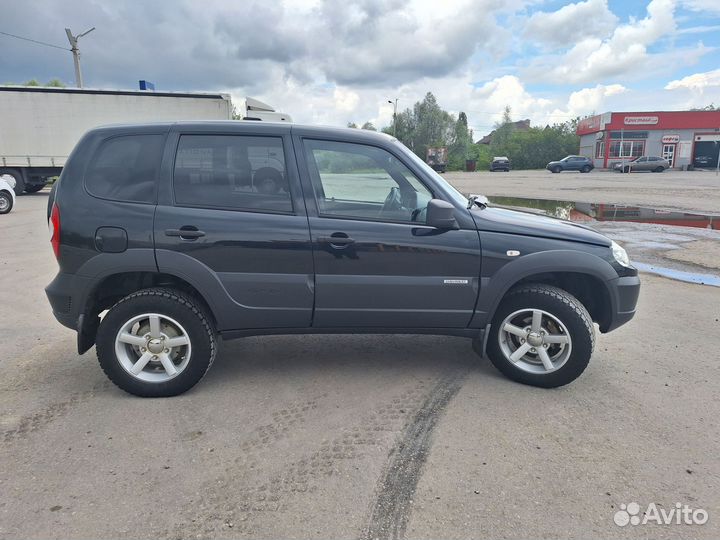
(520, 125)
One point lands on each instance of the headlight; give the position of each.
(620, 255)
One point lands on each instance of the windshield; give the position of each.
(454, 193)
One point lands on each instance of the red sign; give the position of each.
(671, 139)
(640, 120)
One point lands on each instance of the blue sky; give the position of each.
(332, 61)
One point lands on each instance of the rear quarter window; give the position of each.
(125, 168)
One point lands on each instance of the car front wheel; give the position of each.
(156, 343)
(6, 202)
(556, 169)
(541, 336)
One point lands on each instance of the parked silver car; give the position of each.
(645, 163)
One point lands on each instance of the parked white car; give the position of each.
(7, 194)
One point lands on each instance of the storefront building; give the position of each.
(684, 138)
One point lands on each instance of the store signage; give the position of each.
(671, 139)
(640, 120)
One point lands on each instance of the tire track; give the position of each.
(234, 498)
(391, 511)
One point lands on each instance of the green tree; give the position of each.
(532, 149)
(433, 125)
(710, 107)
(352, 125)
(369, 126)
(32, 82)
(55, 83)
(461, 143)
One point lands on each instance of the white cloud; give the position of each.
(507, 90)
(703, 6)
(345, 100)
(697, 81)
(571, 23)
(623, 54)
(696, 90)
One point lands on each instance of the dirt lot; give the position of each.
(364, 436)
(671, 190)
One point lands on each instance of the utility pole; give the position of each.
(76, 53)
(394, 104)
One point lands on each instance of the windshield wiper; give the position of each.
(480, 200)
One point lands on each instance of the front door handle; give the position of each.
(337, 239)
(187, 232)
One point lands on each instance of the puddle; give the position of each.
(583, 212)
(690, 277)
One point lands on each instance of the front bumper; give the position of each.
(624, 292)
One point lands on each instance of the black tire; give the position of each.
(7, 200)
(564, 307)
(168, 302)
(34, 188)
(659, 169)
(556, 169)
(586, 169)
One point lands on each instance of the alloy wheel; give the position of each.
(535, 341)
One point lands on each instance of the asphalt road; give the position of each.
(354, 436)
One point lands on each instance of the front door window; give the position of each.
(364, 182)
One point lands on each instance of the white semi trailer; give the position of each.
(40, 126)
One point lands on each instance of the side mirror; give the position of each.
(441, 215)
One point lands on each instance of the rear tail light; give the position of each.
(54, 226)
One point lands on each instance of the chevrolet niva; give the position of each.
(171, 236)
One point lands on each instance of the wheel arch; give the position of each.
(582, 274)
(112, 287)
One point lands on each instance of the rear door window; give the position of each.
(125, 168)
(233, 172)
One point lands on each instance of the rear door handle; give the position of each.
(187, 232)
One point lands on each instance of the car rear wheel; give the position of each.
(156, 343)
(585, 169)
(541, 336)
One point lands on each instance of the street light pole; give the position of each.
(76, 53)
(394, 104)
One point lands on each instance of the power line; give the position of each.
(35, 41)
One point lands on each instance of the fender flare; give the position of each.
(494, 288)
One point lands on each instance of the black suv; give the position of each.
(571, 163)
(169, 236)
(500, 164)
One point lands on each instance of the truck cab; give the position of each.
(183, 233)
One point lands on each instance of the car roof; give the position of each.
(255, 125)
(501, 157)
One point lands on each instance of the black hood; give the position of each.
(529, 224)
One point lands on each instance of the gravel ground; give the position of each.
(358, 436)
